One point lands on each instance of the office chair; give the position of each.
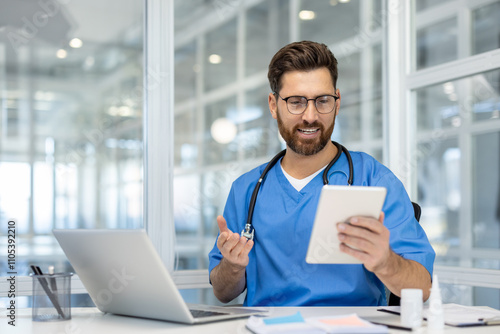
(393, 299)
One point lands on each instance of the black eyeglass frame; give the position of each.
(307, 103)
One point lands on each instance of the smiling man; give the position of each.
(271, 267)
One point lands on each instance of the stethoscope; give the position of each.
(248, 232)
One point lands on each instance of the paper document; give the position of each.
(459, 315)
(349, 323)
(295, 323)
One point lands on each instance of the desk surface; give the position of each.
(90, 320)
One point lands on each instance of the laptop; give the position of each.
(124, 275)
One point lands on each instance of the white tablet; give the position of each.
(338, 204)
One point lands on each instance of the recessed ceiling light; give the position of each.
(344, 1)
(215, 59)
(307, 15)
(76, 43)
(61, 53)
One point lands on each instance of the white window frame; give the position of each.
(158, 127)
(159, 140)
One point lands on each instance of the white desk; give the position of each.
(90, 320)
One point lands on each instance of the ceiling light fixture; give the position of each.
(307, 15)
(76, 43)
(223, 130)
(215, 59)
(61, 53)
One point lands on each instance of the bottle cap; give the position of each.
(411, 294)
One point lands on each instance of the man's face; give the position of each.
(308, 133)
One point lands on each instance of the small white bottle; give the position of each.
(411, 307)
(435, 317)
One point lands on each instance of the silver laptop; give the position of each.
(124, 274)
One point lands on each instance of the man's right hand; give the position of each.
(228, 277)
(234, 248)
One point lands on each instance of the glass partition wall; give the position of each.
(70, 122)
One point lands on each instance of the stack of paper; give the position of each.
(459, 315)
(464, 316)
(295, 323)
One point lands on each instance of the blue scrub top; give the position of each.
(277, 274)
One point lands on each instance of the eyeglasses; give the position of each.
(296, 105)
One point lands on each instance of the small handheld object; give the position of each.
(248, 232)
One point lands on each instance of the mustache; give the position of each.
(305, 124)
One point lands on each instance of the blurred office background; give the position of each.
(72, 129)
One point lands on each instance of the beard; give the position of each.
(305, 146)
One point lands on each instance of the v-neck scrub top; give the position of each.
(277, 273)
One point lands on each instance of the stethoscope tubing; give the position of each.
(248, 232)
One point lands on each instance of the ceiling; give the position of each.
(33, 31)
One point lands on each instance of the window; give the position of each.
(71, 123)
(457, 142)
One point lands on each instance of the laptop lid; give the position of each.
(124, 274)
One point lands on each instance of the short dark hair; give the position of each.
(301, 56)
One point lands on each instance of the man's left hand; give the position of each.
(367, 239)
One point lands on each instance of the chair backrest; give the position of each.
(417, 210)
(393, 299)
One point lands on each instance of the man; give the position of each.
(394, 249)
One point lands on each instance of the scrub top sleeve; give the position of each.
(407, 237)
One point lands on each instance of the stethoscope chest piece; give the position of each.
(248, 232)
